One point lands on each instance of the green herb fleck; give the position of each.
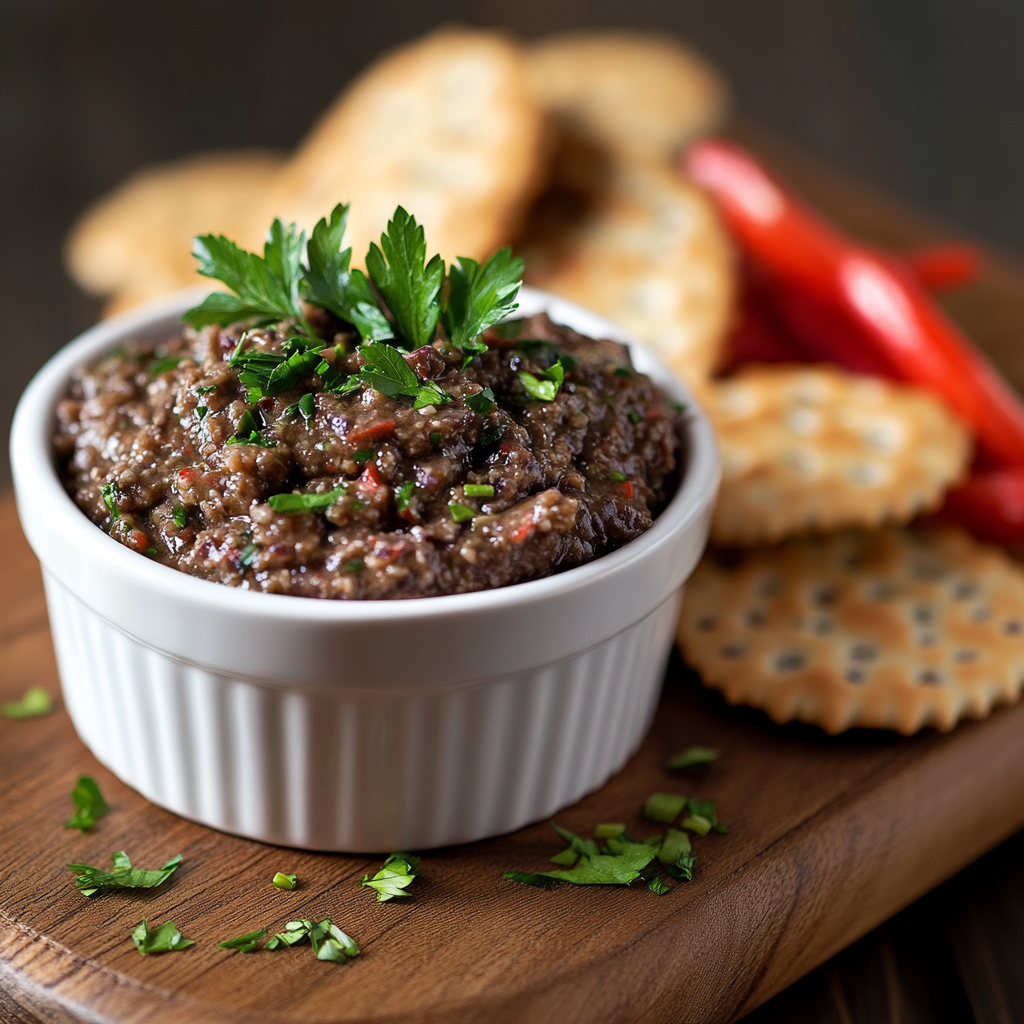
(248, 554)
(247, 943)
(657, 886)
(364, 456)
(394, 877)
(492, 435)
(460, 513)
(697, 823)
(482, 402)
(546, 389)
(254, 438)
(289, 503)
(479, 295)
(679, 407)
(538, 881)
(403, 496)
(387, 372)
(609, 830)
(634, 417)
(90, 803)
(89, 880)
(663, 807)
(478, 490)
(622, 371)
(435, 439)
(201, 411)
(691, 757)
(354, 565)
(165, 364)
(110, 494)
(618, 477)
(34, 704)
(283, 881)
(164, 939)
(206, 389)
(180, 516)
(603, 869)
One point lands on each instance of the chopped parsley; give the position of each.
(354, 565)
(658, 887)
(36, 703)
(435, 439)
(609, 830)
(253, 438)
(622, 371)
(483, 402)
(460, 513)
(90, 880)
(164, 939)
(705, 810)
(618, 477)
(546, 389)
(163, 365)
(679, 407)
(206, 389)
(364, 455)
(247, 943)
(394, 878)
(538, 881)
(180, 516)
(89, 802)
(305, 502)
(248, 554)
(479, 295)
(634, 417)
(492, 435)
(478, 490)
(663, 807)
(283, 881)
(387, 372)
(697, 823)
(329, 942)
(403, 496)
(110, 494)
(691, 757)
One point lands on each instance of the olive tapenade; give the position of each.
(548, 451)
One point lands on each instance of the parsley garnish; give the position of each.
(691, 757)
(658, 887)
(539, 881)
(478, 490)
(354, 565)
(492, 435)
(482, 402)
(606, 869)
(363, 456)
(329, 942)
(663, 807)
(34, 704)
(394, 877)
(305, 502)
(90, 803)
(330, 283)
(206, 389)
(410, 286)
(615, 475)
(165, 364)
(283, 881)
(387, 372)
(634, 417)
(247, 943)
(479, 295)
(110, 493)
(89, 880)
(703, 817)
(165, 939)
(460, 513)
(180, 516)
(546, 389)
(403, 496)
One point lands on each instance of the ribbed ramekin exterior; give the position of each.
(331, 769)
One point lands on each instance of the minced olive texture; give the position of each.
(463, 495)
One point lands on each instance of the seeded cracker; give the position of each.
(818, 449)
(894, 629)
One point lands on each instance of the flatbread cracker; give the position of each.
(645, 249)
(138, 239)
(894, 629)
(447, 127)
(643, 96)
(814, 448)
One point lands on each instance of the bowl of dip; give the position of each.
(301, 683)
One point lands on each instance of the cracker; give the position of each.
(641, 95)
(446, 127)
(646, 250)
(894, 629)
(816, 448)
(138, 239)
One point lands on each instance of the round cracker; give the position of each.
(641, 95)
(446, 127)
(895, 629)
(137, 241)
(649, 253)
(808, 448)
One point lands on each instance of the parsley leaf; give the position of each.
(165, 364)
(663, 807)
(283, 881)
(165, 939)
(387, 372)
(460, 513)
(330, 283)
(479, 295)
(482, 402)
(34, 704)
(329, 942)
(539, 881)
(394, 877)
(304, 502)
(247, 943)
(409, 287)
(546, 389)
(265, 287)
(110, 493)
(90, 803)
(603, 869)
(658, 887)
(89, 880)
(403, 496)
(691, 757)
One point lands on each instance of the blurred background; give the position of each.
(923, 99)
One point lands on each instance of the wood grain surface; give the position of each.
(829, 838)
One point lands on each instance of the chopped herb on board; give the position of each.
(87, 797)
(329, 942)
(289, 503)
(283, 881)
(663, 807)
(394, 877)
(247, 943)
(691, 757)
(36, 703)
(164, 939)
(90, 880)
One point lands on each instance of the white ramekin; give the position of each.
(347, 725)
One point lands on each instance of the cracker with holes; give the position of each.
(893, 629)
(814, 448)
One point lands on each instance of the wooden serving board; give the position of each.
(829, 838)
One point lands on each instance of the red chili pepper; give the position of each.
(627, 490)
(371, 433)
(940, 267)
(891, 319)
(521, 533)
(187, 473)
(370, 478)
(990, 504)
(139, 540)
